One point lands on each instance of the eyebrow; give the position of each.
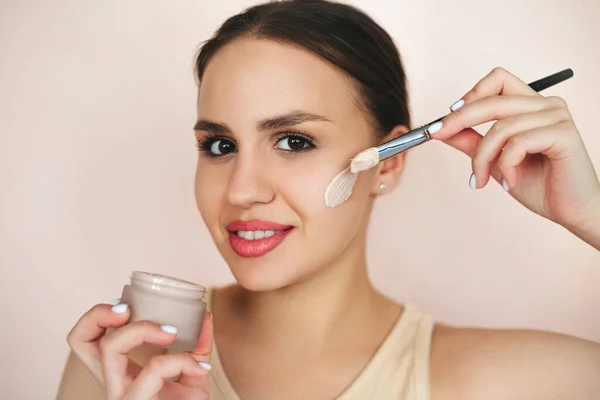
(273, 123)
(212, 127)
(289, 119)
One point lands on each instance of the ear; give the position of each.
(390, 170)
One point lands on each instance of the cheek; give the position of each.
(209, 189)
(302, 184)
(304, 191)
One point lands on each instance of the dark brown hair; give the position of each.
(339, 33)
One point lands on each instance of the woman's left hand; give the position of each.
(534, 149)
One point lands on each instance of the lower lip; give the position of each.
(258, 247)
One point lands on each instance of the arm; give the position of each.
(589, 230)
(513, 364)
(78, 383)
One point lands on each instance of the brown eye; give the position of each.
(221, 147)
(293, 143)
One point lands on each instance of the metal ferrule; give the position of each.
(404, 142)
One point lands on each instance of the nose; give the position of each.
(249, 183)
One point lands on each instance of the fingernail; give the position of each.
(205, 365)
(169, 329)
(473, 181)
(115, 301)
(120, 308)
(505, 184)
(433, 128)
(457, 105)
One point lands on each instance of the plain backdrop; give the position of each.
(97, 158)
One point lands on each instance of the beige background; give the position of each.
(97, 160)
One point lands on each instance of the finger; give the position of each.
(499, 82)
(93, 324)
(494, 108)
(205, 342)
(546, 140)
(151, 379)
(84, 336)
(202, 354)
(466, 141)
(114, 349)
(496, 138)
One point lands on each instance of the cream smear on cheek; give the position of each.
(340, 188)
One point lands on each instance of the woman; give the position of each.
(288, 93)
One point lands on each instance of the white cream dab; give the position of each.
(340, 188)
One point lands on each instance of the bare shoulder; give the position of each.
(470, 363)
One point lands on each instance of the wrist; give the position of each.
(588, 227)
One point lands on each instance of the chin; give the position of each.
(266, 273)
(259, 276)
(259, 284)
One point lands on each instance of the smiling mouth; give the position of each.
(257, 235)
(256, 238)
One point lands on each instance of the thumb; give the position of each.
(465, 141)
(201, 354)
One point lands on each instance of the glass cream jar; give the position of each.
(167, 301)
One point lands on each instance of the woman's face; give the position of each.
(275, 124)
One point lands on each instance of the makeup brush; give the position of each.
(371, 157)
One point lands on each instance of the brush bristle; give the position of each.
(365, 160)
(340, 188)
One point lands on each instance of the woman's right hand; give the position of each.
(106, 356)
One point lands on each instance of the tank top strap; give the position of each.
(422, 356)
(399, 370)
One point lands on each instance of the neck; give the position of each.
(317, 310)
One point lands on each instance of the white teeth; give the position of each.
(255, 235)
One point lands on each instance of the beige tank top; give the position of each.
(399, 369)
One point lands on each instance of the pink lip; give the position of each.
(259, 247)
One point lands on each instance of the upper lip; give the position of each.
(256, 225)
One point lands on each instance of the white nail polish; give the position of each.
(205, 365)
(435, 127)
(473, 181)
(505, 184)
(120, 308)
(457, 105)
(169, 329)
(115, 301)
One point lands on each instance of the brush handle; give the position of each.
(421, 134)
(551, 80)
(538, 86)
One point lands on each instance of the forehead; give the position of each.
(256, 78)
